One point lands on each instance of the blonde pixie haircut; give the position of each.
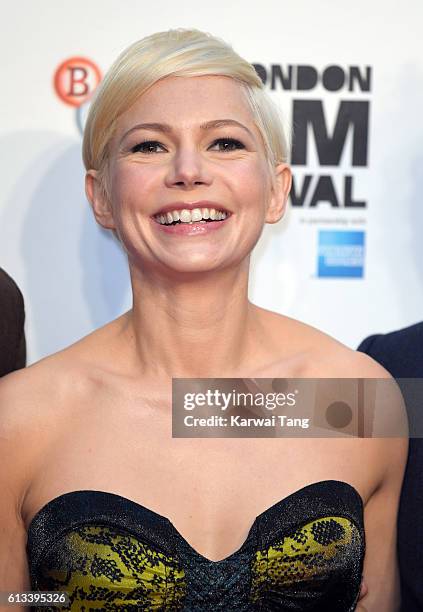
(180, 52)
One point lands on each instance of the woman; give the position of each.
(120, 515)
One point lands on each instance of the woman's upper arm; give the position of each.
(388, 449)
(380, 520)
(14, 574)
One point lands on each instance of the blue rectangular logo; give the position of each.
(341, 254)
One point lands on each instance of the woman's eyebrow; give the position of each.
(166, 128)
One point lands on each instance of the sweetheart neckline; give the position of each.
(320, 483)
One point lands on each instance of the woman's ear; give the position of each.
(279, 193)
(97, 197)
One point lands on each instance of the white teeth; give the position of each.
(196, 214)
(185, 216)
(191, 216)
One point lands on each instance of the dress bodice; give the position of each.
(110, 553)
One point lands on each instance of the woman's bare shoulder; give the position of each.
(30, 416)
(41, 393)
(40, 403)
(323, 355)
(333, 359)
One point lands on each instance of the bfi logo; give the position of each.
(75, 80)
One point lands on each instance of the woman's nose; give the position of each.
(188, 168)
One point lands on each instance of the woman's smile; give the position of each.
(189, 219)
(191, 226)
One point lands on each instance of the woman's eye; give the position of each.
(146, 146)
(150, 146)
(233, 144)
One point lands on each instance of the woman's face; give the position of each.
(181, 160)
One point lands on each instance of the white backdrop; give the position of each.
(73, 275)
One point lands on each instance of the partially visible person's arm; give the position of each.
(12, 321)
(20, 360)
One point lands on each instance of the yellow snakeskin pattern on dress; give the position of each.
(306, 554)
(102, 569)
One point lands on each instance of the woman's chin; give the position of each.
(193, 268)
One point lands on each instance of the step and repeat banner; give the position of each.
(348, 78)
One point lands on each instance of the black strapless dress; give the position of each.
(110, 553)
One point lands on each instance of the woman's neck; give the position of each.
(193, 328)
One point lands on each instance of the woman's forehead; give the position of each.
(189, 102)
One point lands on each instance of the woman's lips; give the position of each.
(196, 228)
